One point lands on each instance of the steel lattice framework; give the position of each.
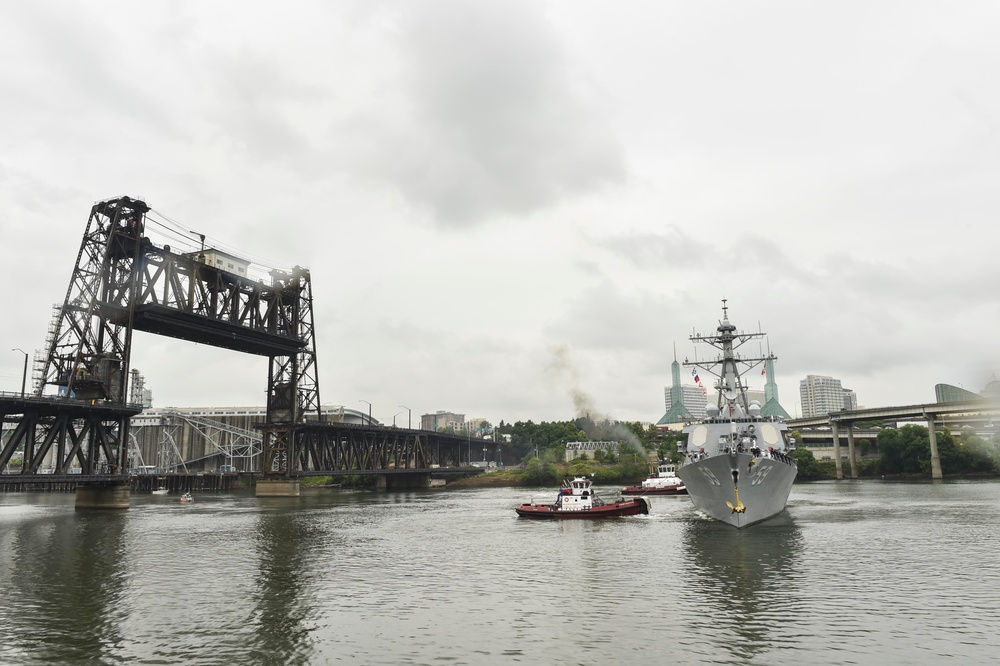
(345, 447)
(87, 441)
(89, 346)
(293, 382)
(123, 282)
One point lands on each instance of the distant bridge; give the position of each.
(934, 413)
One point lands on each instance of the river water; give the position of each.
(853, 572)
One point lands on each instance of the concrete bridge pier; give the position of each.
(403, 481)
(103, 496)
(935, 458)
(836, 450)
(276, 488)
(850, 451)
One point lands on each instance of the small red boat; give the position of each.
(578, 500)
(664, 482)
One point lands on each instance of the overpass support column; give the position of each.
(836, 450)
(935, 458)
(850, 450)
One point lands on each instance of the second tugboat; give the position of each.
(736, 466)
(578, 500)
(663, 482)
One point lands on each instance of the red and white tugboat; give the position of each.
(664, 482)
(578, 500)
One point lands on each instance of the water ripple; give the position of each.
(857, 573)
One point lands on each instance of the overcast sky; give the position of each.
(515, 210)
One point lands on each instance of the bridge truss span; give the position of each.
(345, 447)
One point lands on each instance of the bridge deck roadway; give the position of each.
(924, 411)
(170, 322)
(15, 403)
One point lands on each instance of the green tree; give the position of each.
(904, 451)
(539, 473)
(666, 448)
(908, 451)
(809, 468)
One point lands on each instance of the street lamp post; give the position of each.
(201, 255)
(369, 411)
(394, 418)
(24, 375)
(409, 417)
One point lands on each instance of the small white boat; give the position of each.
(161, 491)
(663, 482)
(186, 497)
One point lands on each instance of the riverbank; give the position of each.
(537, 474)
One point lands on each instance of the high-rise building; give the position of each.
(822, 395)
(850, 399)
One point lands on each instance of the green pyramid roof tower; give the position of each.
(771, 405)
(677, 413)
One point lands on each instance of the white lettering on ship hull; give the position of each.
(761, 474)
(710, 475)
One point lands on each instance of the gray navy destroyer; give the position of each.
(736, 465)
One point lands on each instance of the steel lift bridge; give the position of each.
(122, 283)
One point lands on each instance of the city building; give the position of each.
(479, 426)
(442, 420)
(949, 393)
(821, 395)
(850, 399)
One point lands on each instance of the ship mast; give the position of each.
(730, 387)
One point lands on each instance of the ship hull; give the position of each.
(762, 489)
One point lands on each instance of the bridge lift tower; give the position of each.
(122, 283)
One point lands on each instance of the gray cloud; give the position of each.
(673, 247)
(490, 118)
